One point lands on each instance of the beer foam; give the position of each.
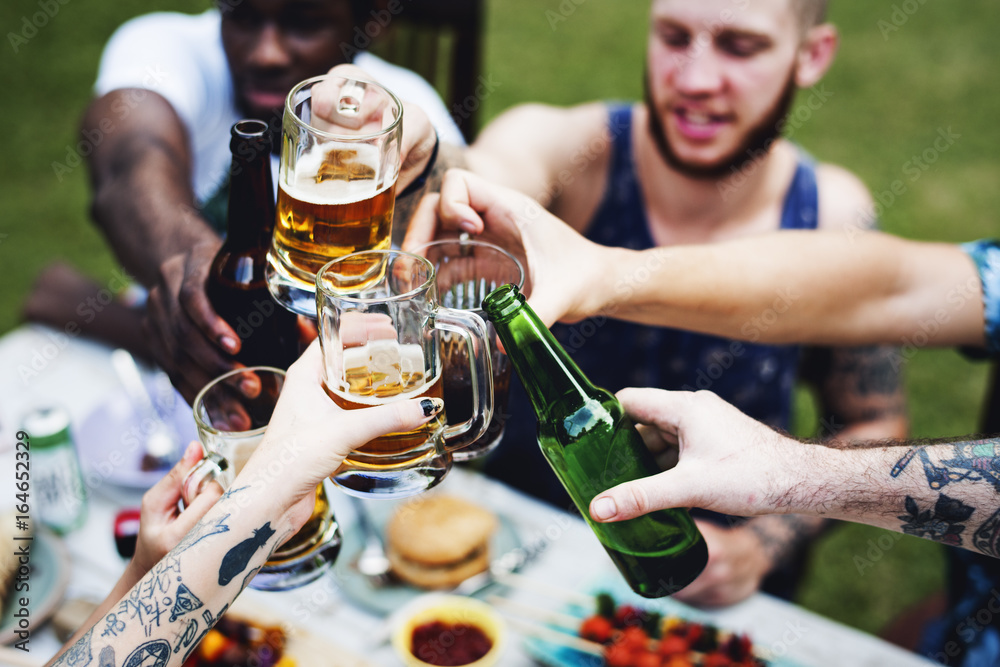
(371, 401)
(305, 188)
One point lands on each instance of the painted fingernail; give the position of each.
(431, 406)
(604, 508)
(229, 343)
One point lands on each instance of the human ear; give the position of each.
(816, 54)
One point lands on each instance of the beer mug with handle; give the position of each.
(379, 325)
(340, 157)
(231, 423)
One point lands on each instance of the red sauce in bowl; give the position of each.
(438, 643)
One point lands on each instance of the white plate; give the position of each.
(49, 575)
(111, 440)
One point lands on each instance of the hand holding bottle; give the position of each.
(727, 463)
(560, 289)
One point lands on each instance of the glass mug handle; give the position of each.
(209, 469)
(471, 328)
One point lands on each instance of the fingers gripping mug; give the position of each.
(379, 327)
(231, 423)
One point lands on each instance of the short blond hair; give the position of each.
(811, 12)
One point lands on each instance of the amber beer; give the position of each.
(332, 209)
(311, 533)
(380, 372)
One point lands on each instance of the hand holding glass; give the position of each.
(340, 156)
(379, 321)
(231, 425)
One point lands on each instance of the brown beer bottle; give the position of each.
(236, 284)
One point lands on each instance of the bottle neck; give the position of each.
(250, 216)
(546, 370)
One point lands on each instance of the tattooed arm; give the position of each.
(732, 464)
(161, 619)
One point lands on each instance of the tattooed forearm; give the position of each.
(944, 523)
(78, 655)
(237, 559)
(202, 529)
(155, 653)
(858, 386)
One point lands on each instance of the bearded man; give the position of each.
(701, 160)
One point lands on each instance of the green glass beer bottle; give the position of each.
(592, 445)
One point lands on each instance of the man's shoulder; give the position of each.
(844, 200)
(554, 124)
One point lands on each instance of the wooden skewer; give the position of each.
(571, 623)
(555, 637)
(527, 583)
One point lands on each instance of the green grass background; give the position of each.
(891, 94)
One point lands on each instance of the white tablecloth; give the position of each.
(41, 365)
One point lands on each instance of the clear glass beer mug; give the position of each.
(380, 327)
(465, 271)
(231, 425)
(340, 157)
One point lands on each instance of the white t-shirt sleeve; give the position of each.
(179, 57)
(411, 87)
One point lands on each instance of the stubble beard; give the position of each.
(758, 140)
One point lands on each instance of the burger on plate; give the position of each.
(439, 541)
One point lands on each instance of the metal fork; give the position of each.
(372, 561)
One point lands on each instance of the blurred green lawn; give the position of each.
(889, 95)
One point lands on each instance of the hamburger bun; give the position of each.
(439, 541)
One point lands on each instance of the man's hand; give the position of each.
(419, 135)
(727, 462)
(188, 338)
(564, 268)
(736, 566)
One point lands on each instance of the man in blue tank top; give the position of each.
(700, 160)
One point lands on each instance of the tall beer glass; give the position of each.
(340, 156)
(379, 327)
(231, 425)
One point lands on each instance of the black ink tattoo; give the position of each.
(187, 635)
(79, 655)
(185, 601)
(987, 537)
(151, 654)
(232, 492)
(107, 657)
(942, 524)
(113, 625)
(210, 621)
(236, 560)
(200, 532)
